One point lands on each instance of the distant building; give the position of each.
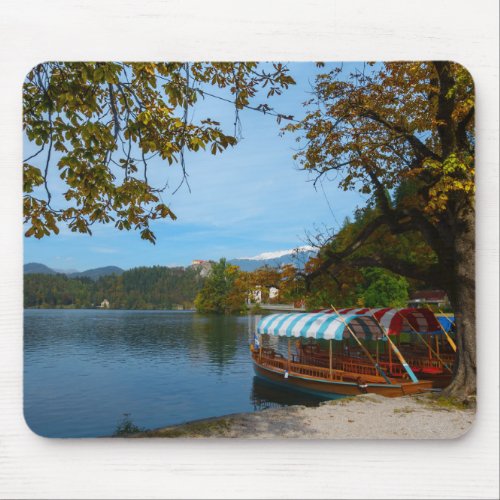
(104, 304)
(203, 265)
(198, 262)
(432, 297)
(255, 295)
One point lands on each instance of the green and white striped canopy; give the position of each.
(320, 325)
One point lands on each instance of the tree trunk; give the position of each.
(462, 299)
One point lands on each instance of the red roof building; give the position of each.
(437, 297)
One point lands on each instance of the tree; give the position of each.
(384, 289)
(220, 293)
(98, 125)
(154, 287)
(345, 285)
(402, 124)
(263, 279)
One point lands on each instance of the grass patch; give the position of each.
(451, 403)
(405, 409)
(446, 402)
(126, 427)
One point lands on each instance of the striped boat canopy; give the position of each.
(320, 325)
(395, 321)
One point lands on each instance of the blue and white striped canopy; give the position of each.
(321, 325)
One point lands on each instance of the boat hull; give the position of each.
(332, 389)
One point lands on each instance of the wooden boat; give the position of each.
(429, 348)
(343, 375)
(434, 370)
(327, 383)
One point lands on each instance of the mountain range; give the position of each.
(37, 268)
(297, 256)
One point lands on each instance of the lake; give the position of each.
(85, 369)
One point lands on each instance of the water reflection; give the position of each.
(268, 395)
(84, 369)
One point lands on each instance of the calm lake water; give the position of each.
(84, 369)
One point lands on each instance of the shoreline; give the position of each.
(366, 416)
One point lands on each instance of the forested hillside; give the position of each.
(140, 288)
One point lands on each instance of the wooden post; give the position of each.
(330, 359)
(437, 343)
(376, 343)
(289, 353)
(402, 360)
(390, 356)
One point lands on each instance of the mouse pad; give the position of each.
(249, 250)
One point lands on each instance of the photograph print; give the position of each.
(249, 250)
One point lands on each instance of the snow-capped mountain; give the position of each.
(280, 253)
(296, 256)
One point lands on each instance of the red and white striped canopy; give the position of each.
(395, 321)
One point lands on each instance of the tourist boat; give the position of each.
(340, 372)
(424, 339)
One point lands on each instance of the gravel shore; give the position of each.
(362, 417)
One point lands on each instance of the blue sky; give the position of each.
(250, 199)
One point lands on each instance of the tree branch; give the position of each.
(398, 222)
(336, 257)
(420, 149)
(446, 101)
(462, 129)
(429, 275)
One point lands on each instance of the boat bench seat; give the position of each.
(431, 370)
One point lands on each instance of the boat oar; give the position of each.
(452, 322)
(402, 360)
(428, 345)
(365, 350)
(448, 338)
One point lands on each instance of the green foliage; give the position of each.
(404, 129)
(351, 285)
(57, 290)
(220, 293)
(383, 289)
(97, 125)
(140, 288)
(127, 427)
(393, 123)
